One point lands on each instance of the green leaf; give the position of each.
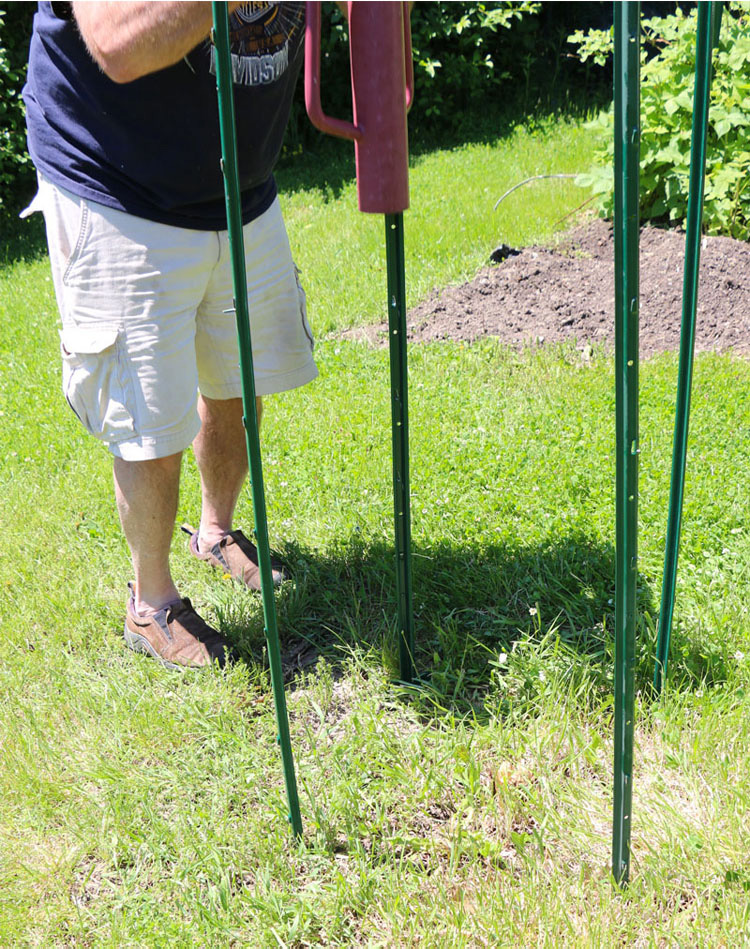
(722, 127)
(667, 92)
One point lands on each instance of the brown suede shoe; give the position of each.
(175, 636)
(235, 555)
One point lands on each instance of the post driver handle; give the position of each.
(326, 123)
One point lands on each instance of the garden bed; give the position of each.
(550, 294)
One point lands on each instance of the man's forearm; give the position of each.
(129, 40)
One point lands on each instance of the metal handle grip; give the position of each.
(319, 119)
(327, 123)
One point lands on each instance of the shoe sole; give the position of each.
(140, 644)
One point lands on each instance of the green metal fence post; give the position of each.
(394, 245)
(717, 7)
(709, 15)
(627, 141)
(250, 420)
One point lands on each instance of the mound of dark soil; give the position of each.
(549, 294)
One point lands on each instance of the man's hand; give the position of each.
(129, 40)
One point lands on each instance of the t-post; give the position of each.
(707, 36)
(626, 223)
(382, 86)
(250, 419)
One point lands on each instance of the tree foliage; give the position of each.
(667, 91)
(462, 53)
(16, 172)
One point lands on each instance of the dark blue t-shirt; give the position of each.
(152, 147)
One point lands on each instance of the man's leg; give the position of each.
(130, 374)
(147, 493)
(221, 454)
(158, 622)
(282, 359)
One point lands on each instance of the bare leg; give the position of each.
(221, 453)
(147, 493)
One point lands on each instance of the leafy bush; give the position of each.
(462, 53)
(667, 90)
(15, 165)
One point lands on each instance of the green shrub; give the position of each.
(15, 165)
(462, 53)
(667, 88)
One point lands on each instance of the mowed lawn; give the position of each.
(146, 808)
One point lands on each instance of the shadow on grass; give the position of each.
(491, 624)
(327, 164)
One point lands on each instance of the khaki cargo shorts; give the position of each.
(147, 320)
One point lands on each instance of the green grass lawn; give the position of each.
(451, 227)
(146, 808)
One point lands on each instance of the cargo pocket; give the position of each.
(303, 308)
(96, 382)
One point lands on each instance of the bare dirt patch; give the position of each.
(551, 294)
